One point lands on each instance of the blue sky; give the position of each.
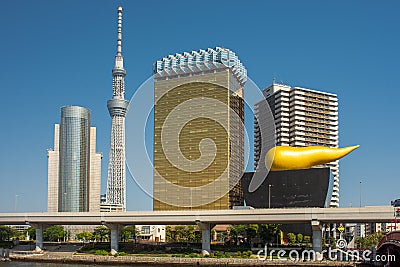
(56, 53)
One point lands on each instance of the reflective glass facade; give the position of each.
(198, 101)
(74, 168)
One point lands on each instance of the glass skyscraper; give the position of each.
(74, 159)
(74, 165)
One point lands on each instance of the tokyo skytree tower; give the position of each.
(118, 107)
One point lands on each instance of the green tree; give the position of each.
(129, 232)
(80, 236)
(221, 236)
(359, 242)
(291, 238)
(299, 238)
(168, 233)
(269, 232)
(251, 231)
(190, 233)
(4, 233)
(197, 234)
(236, 231)
(31, 232)
(179, 233)
(369, 241)
(86, 236)
(14, 233)
(101, 233)
(7, 233)
(373, 239)
(54, 233)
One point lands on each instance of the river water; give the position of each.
(42, 264)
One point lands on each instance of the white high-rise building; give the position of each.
(303, 117)
(74, 166)
(388, 227)
(360, 230)
(118, 107)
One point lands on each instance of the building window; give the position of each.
(145, 230)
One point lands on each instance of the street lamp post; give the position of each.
(269, 196)
(360, 193)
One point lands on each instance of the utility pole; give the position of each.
(360, 193)
(269, 196)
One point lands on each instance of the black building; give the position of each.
(290, 189)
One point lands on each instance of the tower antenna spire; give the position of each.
(119, 42)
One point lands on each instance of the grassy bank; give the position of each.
(164, 250)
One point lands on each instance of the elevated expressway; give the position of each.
(205, 219)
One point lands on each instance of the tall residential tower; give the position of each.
(198, 130)
(73, 164)
(303, 117)
(118, 107)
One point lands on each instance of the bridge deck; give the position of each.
(283, 216)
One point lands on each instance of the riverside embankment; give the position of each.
(162, 261)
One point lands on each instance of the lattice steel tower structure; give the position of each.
(118, 107)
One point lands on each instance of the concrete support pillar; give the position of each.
(39, 237)
(205, 237)
(316, 236)
(114, 238)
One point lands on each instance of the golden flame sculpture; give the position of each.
(282, 158)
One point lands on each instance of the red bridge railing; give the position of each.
(393, 236)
